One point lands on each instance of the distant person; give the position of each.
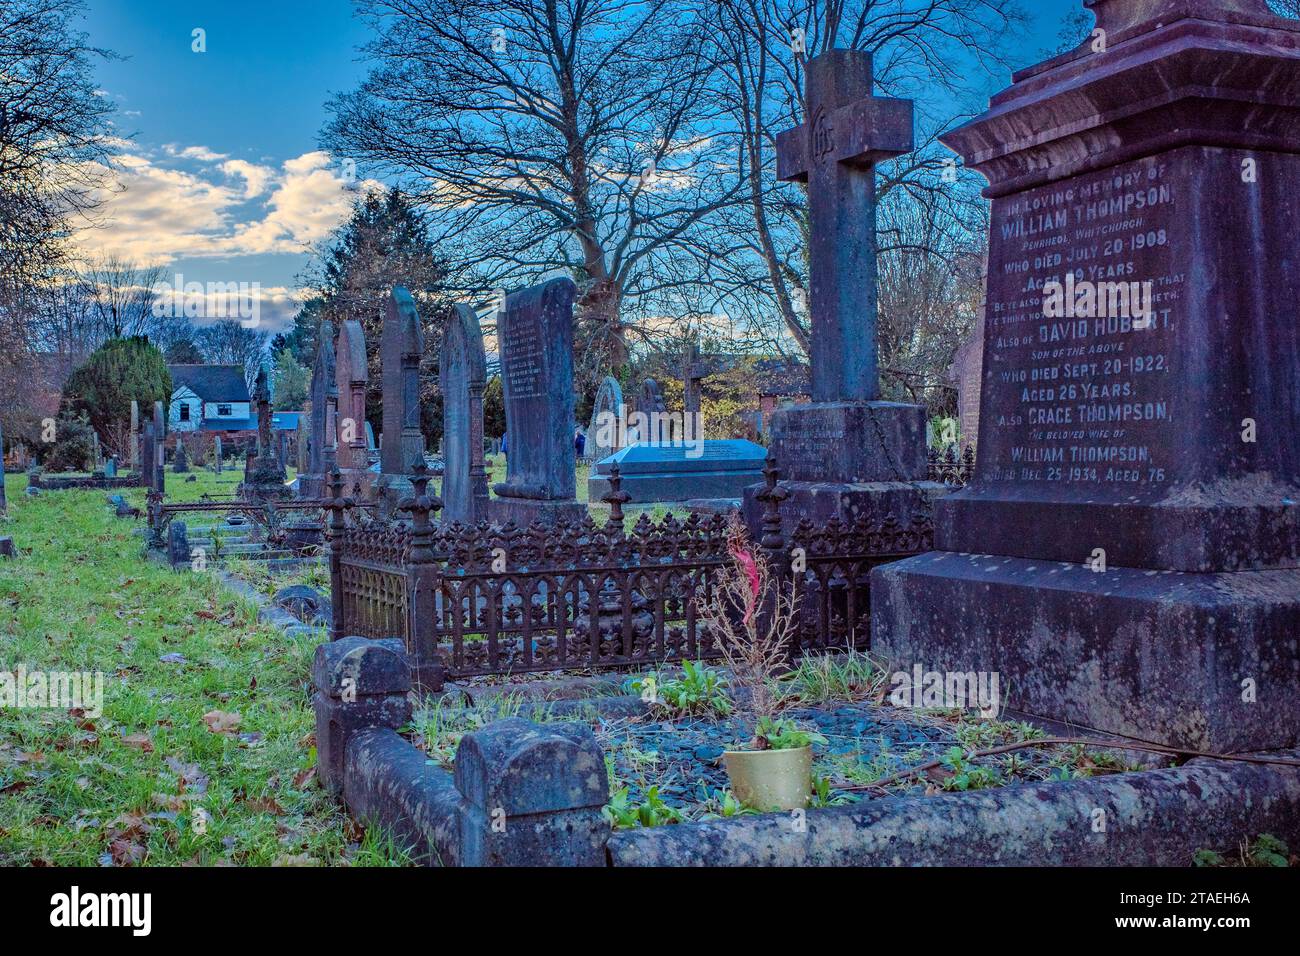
(579, 441)
(503, 446)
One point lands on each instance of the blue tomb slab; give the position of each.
(665, 473)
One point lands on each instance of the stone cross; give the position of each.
(846, 133)
(402, 347)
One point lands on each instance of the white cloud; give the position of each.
(256, 178)
(201, 153)
(156, 214)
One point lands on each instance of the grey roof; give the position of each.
(212, 383)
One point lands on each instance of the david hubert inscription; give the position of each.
(1083, 323)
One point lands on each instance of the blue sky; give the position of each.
(223, 180)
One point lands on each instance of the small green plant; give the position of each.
(700, 691)
(783, 734)
(825, 678)
(1207, 858)
(623, 814)
(723, 803)
(1268, 850)
(967, 776)
(823, 796)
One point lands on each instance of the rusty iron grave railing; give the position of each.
(953, 470)
(485, 599)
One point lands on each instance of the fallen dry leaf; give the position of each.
(222, 722)
(139, 741)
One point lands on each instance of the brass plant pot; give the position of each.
(770, 780)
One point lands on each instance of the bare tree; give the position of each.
(922, 49)
(53, 139)
(579, 136)
(123, 294)
(53, 132)
(230, 343)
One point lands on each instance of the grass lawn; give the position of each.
(204, 751)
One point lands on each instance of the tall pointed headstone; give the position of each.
(134, 450)
(352, 377)
(159, 462)
(1127, 556)
(847, 453)
(401, 347)
(535, 337)
(323, 435)
(462, 375)
(607, 416)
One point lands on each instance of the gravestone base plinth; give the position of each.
(264, 480)
(1203, 661)
(851, 442)
(819, 501)
(526, 511)
(849, 460)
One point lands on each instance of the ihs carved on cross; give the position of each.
(835, 152)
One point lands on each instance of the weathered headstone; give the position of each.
(159, 462)
(966, 374)
(693, 372)
(462, 376)
(607, 412)
(846, 453)
(181, 460)
(4, 501)
(264, 475)
(110, 471)
(352, 376)
(218, 455)
(653, 411)
(135, 437)
(1127, 557)
(302, 446)
(535, 336)
(323, 439)
(145, 475)
(401, 347)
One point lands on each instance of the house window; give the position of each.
(224, 411)
(185, 412)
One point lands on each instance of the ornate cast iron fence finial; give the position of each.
(420, 505)
(771, 496)
(616, 497)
